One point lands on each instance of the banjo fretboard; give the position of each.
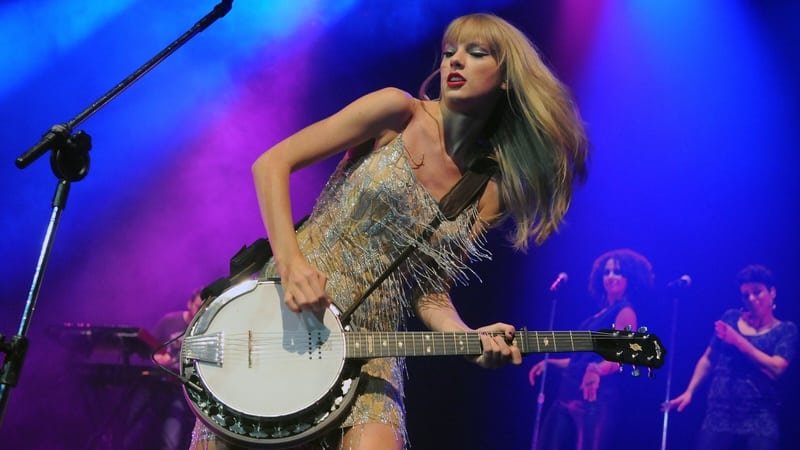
(419, 343)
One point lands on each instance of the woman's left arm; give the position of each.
(772, 365)
(438, 313)
(625, 317)
(595, 371)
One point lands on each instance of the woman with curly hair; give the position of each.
(582, 415)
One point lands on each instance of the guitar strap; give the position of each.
(466, 191)
(243, 265)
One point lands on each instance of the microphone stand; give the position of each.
(69, 160)
(670, 359)
(540, 397)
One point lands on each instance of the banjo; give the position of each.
(260, 375)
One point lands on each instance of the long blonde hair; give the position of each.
(537, 134)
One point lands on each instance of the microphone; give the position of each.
(55, 137)
(683, 282)
(561, 278)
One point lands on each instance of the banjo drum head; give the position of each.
(274, 362)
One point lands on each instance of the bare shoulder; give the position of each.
(380, 114)
(392, 109)
(626, 316)
(627, 311)
(393, 95)
(391, 103)
(367, 118)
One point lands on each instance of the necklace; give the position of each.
(414, 164)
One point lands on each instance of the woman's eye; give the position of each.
(448, 53)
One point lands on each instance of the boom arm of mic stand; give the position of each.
(58, 133)
(70, 163)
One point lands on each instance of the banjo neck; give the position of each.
(468, 343)
(622, 346)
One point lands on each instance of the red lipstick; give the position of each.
(455, 80)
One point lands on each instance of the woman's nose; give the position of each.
(457, 59)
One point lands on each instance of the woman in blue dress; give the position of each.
(749, 351)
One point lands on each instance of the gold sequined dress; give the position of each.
(370, 210)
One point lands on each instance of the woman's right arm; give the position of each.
(701, 371)
(366, 118)
(538, 368)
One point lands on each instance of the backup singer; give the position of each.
(583, 414)
(749, 351)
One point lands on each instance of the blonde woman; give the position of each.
(498, 101)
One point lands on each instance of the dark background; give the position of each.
(691, 109)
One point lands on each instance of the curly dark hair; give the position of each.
(634, 267)
(755, 273)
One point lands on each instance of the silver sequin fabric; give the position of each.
(370, 210)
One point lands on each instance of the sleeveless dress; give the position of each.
(370, 210)
(572, 422)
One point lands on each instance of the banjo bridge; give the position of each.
(206, 348)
